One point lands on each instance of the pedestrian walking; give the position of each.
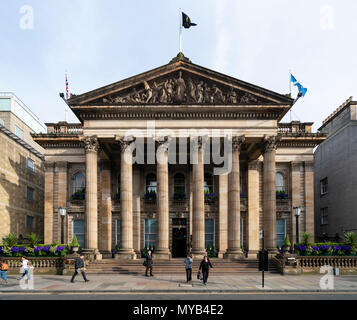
(25, 265)
(148, 263)
(204, 266)
(188, 264)
(79, 267)
(4, 267)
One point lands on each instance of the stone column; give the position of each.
(253, 208)
(269, 192)
(48, 217)
(295, 195)
(61, 172)
(163, 251)
(126, 250)
(234, 250)
(105, 207)
(137, 210)
(309, 200)
(223, 215)
(91, 236)
(198, 210)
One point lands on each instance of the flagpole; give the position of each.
(180, 32)
(66, 107)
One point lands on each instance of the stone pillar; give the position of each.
(48, 217)
(253, 208)
(295, 195)
(223, 215)
(61, 172)
(309, 200)
(269, 192)
(91, 217)
(126, 250)
(137, 210)
(234, 250)
(198, 210)
(105, 208)
(163, 235)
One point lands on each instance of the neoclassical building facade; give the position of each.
(178, 158)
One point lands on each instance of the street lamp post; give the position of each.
(63, 212)
(297, 215)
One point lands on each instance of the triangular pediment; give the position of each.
(180, 83)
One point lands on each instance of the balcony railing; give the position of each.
(295, 127)
(63, 128)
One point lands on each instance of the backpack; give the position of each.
(4, 267)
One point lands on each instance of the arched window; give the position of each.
(208, 183)
(280, 183)
(151, 183)
(79, 182)
(179, 186)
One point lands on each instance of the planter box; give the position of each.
(42, 265)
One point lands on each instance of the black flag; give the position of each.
(186, 21)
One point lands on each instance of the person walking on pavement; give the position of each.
(4, 267)
(148, 263)
(79, 268)
(188, 263)
(204, 266)
(25, 265)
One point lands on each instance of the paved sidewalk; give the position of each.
(176, 283)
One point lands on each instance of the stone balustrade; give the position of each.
(48, 265)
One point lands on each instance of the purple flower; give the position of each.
(324, 247)
(60, 249)
(46, 249)
(315, 248)
(336, 248)
(1, 250)
(37, 249)
(346, 248)
(300, 248)
(15, 249)
(22, 249)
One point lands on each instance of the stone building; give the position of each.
(335, 172)
(21, 169)
(186, 200)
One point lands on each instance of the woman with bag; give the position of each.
(4, 267)
(204, 266)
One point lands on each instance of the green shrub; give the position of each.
(286, 242)
(351, 239)
(74, 242)
(9, 241)
(306, 239)
(33, 240)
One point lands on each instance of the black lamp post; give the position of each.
(297, 215)
(63, 212)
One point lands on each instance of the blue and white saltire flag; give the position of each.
(302, 90)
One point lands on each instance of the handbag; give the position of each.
(145, 264)
(199, 275)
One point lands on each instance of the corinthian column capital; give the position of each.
(163, 142)
(237, 143)
(270, 144)
(91, 144)
(125, 143)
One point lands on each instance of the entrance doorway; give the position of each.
(179, 242)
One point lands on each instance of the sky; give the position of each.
(99, 42)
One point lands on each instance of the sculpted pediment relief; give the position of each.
(180, 83)
(181, 88)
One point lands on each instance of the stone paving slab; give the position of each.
(177, 283)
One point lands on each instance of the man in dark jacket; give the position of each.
(148, 263)
(79, 268)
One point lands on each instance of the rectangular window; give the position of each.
(280, 231)
(30, 165)
(324, 216)
(209, 233)
(29, 222)
(78, 230)
(30, 193)
(118, 232)
(150, 233)
(324, 186)
(19, 132)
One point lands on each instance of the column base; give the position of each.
(198, 254)
(235, 255)
(253, 255)
(162, 254)
(125, 255)
(91, 254)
